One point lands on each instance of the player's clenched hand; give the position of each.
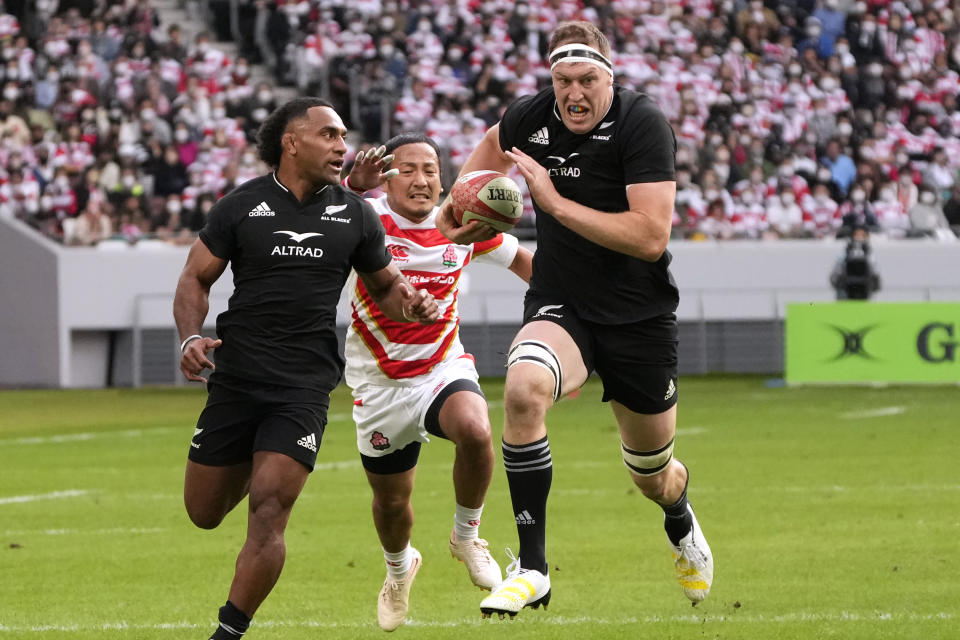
(194, 358)
(367, 172)
(419, 305)
(538, 180)
(473, 231)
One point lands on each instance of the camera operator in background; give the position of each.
(855, 276)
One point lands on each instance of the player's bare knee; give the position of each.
(527, 398)
(204, 516)
(390, 504)
(472, 433)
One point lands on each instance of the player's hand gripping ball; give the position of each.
(488, 196)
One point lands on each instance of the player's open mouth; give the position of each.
(337, 164)
(577, 112)
(420, 196)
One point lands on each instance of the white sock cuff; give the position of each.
(398, 563)
(466, 522)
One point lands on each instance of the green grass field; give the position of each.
(832, 513)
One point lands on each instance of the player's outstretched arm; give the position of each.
(367, 172)
(190, 305)
(642, 231)
(398, 299)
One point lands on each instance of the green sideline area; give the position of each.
(832, 513)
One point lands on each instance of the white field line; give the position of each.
(79, 437)
(128, 433)
(545, 620)
(86, 532)
(877, 489)
(332, 466)
(69, 493)
(879, 412)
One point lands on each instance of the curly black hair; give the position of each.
(271, 132)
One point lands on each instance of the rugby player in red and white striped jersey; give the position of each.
(411, 382)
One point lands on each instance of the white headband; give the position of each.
(578, 52)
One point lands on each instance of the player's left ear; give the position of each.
(289, 143)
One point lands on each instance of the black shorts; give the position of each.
(242, 417)
(636, 362)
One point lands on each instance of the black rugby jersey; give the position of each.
(633, 143)
(290, 262)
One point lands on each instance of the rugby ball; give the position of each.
(488, 196)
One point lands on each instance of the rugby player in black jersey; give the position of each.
(599, 162)
(291, 238)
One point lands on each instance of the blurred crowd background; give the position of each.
(801, 119)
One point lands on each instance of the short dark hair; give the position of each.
(271, 132)
(580, 32)
(410, 138)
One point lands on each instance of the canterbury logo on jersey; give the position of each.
(542, 136)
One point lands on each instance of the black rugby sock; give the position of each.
(677, 521)
(233, 623)
(529, 474)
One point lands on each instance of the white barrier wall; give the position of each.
(30, 337)
(58, 304)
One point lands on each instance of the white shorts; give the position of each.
(389, 418)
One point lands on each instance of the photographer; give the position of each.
(855, 275)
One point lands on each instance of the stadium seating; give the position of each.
(797, 120)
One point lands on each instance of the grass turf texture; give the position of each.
(832, 513)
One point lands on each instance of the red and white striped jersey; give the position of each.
(382, 351)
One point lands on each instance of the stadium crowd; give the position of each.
(796, 119)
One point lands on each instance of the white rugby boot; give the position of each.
(395, 595)
(483, 569)
(521, 588)
(693, 563)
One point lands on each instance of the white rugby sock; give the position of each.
(397, 563)
(466, 522)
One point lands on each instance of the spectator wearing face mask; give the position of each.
(169, 173)
(833, 22)
(891, 215)
(939, 174)
(784, 215)
(91, 226)
(749, 215)
(857, 212)
(821, 214)
(185, 144)
(716, 224)
(842, 168)
(248, 167)
(926, 217)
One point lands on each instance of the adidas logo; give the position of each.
(524, 517)
(262, 209)
(308, 442)
(540, 137)
(671, 389)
